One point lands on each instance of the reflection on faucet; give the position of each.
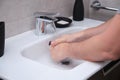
(43, 20)
(42, 27)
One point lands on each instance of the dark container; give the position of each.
(2, 38)
(78, 10)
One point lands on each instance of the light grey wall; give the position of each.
(86, 7)
(18, 14)
(104, 14)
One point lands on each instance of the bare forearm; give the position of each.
(104, 46)
(91, 49)
(93, 31)
(112, 36)
(86, 34)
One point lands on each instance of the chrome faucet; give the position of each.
(44, 19)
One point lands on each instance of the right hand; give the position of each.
(63, 39)
(60, 52)
(68, 38)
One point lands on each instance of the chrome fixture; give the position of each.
(43, 19)
(96, 5)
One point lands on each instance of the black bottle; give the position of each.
(2, 38)
(78, 11)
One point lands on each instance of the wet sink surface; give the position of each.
(39, 51)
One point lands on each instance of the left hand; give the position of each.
(60, 52)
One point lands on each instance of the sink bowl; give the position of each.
(39, 51)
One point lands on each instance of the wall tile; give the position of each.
(104, 14)
(18, 14)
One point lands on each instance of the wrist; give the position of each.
(117, 17)
(73, 48)
(70, 49)
(79, 35)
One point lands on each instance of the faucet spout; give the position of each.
(42, 22)
(43, 19)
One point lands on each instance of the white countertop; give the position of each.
(14, 66)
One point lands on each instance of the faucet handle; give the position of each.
(48, 19)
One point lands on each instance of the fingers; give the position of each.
(59, 52)
(62, 39)
(57, 41)
(55, 55)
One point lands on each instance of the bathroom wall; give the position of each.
(104, 14)
(18, 14)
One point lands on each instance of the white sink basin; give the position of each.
(39, 51)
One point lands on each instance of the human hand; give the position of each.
(68, 38)
(60, 52)
(62, 39)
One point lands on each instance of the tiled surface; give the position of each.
(18, 14)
